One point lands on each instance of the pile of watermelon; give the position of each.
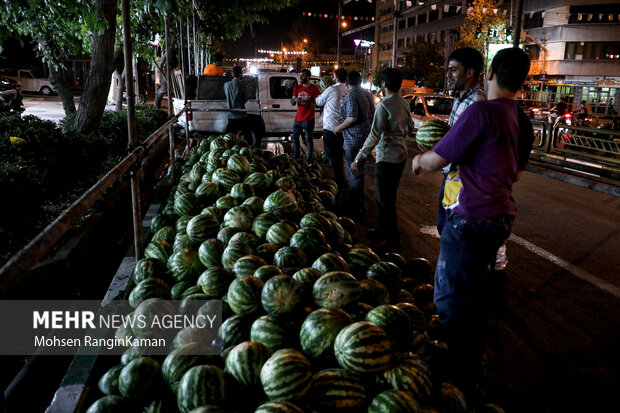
(312, 323)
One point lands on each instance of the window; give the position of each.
(402, 23)
(421, 18)
(592, 50)
(282, 87)
(451, 12)
(411, 21)
(595, 13)
(433, 37)
(536, 20)
(400, 43)
(433, 15)
(533, 51)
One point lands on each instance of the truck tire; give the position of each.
(46, 90)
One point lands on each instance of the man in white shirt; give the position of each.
(330, 100)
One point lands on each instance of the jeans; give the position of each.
(441, 210)
(356, 181)
(334, 149)
(387, 178)
(467, 250)
(308, 127)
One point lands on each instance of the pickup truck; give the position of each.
(32, 84)
(269, 96)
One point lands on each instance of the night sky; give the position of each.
(290, 24)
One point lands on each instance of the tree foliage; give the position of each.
(424, 63)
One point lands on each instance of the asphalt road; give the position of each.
(554, 333)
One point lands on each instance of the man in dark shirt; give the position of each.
(236, 99)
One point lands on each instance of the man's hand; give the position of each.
(294, 101)
(423, 148)
(415, 165)
(354, 167)
(337, 129)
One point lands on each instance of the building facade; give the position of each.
(575, 48)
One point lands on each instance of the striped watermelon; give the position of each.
(374, 293)
(233, 252)
(257, 167)
(255, 203)
(336, 289)
(202, 227)
(235, 330)
(330, 261)
(225, 234)
(159, 250)
(226, 178)
(280, 203)
(246, 238)
(278, 407)
(166, 234)
(149, 288)
(282, 295)
(388, 274)
(307, 277)
(360, 259)
(242, 191)
(316, 220)
(240, 217)
(431, 132)
(200, 386)
(394, 401)
(159, 221)
(410, 374)
(108, 383)
(362, 348)
(182, 242)
(336, 389)
(395, 323)
(186, 204)
(258, 181)
(179, 360)
(244, 295)
(179, 288)
(280, 233)
(149, 268)
(181, 224)
(239, 164)
(286, 375)
(273, 332)
(245, 361)
(451, 399)
(262, 223)
(289, 257)
(185, 265)
(207, 193)
(140, 378)
(265, 272)
(111, 403)
(215, 281)
(216, 212)
(210, 252)
(416, 316)
(310, 240)
(247, 265)
(226, 202)
(267, 251)
(358, 310)
(319, 330)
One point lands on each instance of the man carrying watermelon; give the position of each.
(357, 110)
(391, 125)
(489, 149)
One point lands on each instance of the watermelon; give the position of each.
(416, 316)
(327, 198)
(148, 288)
(246, 238)
(147, 311)
(185, 265)
(226, 202)
(149, 268)
(360, 259)
(330, 262)
(410, 374)
(112, 403)
(181, 223)
(262, 223)
(140, 378)
(307, 277)
(325, 82)
(226, 178)
(245, 361)
(194, 334)
(186, 204)
(286, 375)
(108, 383)
(387, 274)
(395, 323)
(280, 203)
(336, 389)
(255, 204)
(431, 132)
(159, 221)
(182, 241)
(451, 399)
(278, 407)
(247, 265)
(280, 233)
(240, 217)
(179, 288)
(423, 295)
(336, 289)
(394, 401)
(159, 250)
(235, 330)
(258, 181)
(265, 272)
(216, 212)
(267, 251)
(244, 295)
(179, 360)
(202, 227)
(239, 164)
(362, 348)
(226, 233)
(282, 295)
(374, 293)
(215, 281)
(233, 252)
(319, 330)
(200, 386)
(165, 234)
(358, 310)
(273, 332)
(310, 240)
(242, 191)
(207, 193)
(316, 220)
(289, 257)
(210, 252)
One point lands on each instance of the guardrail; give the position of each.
(17, 267)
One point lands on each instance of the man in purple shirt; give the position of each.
(487, 146)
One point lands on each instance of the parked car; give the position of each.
(534, 109)
(30, 83)
(10, 95)
(429, 106)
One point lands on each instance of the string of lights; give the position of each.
(282, 51)
(335, 16)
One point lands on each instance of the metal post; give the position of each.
(517, 26)
(169, 90)
(339, 22)
(189, 50)
(196, 61)
(394, 34)
(131, 130)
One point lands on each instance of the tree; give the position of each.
(424, 63)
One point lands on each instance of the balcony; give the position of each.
(577, 67)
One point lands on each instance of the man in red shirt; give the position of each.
(304, 96)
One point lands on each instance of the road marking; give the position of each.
(573, 269)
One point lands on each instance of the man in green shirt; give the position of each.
(391, 125)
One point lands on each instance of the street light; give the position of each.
(305, 40)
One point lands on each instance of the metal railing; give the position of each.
(16, 268)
